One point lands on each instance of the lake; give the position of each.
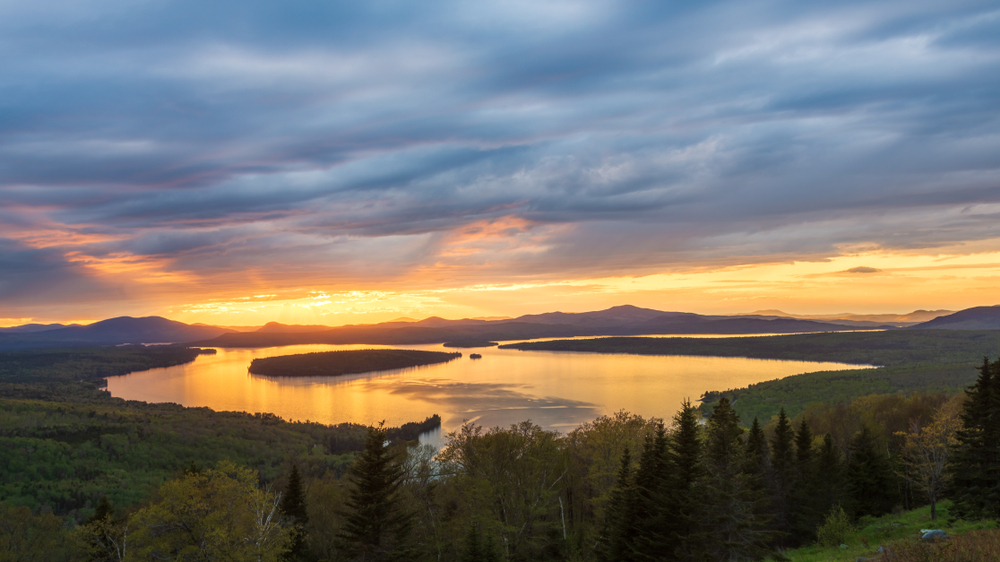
(556, 390)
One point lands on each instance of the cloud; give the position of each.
(364, 143)
(863, 270)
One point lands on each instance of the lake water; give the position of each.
(556, 390)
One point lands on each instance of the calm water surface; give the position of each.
(557, 390)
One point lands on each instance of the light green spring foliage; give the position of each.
(217, 514)
(835, 529)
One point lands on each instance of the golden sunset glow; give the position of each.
(871, 282)
(805, 163)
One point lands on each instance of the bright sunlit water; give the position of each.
(556, 390)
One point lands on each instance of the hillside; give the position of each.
(978, 318)
(115, 331)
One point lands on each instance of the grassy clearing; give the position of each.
(901, 534)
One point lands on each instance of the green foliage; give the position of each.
(835, 529)
(619, 530)
(733, 491)
(334, 363)
(89, 363)
(975, 546)
(870, 478)
(511, 476)
(889, 531)
(687, 457)
(26, 536)
(66, 455)
(976, 463)
(376, 527)
(479, 548)
(293, 508)
(217, 514)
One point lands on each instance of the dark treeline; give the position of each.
(50, 366)
(333, 363)
(621, 487)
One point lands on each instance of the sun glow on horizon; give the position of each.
(870, 282)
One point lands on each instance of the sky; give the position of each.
(330, 163)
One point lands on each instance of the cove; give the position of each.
(556, 390)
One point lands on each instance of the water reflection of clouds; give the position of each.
(492, 404)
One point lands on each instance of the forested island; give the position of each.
(335, 363)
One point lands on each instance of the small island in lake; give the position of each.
(470, 343)
(475, 356)
(334, 363)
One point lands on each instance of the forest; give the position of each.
(89, 477)
(335, 363)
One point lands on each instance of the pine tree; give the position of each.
(652, 510)
(806, 512)
(478, 549)
(757, 448)
(684, 496)
(103, 510)
(870, 479)
(293, 506)
(829, 476)
(733, 493)
(619, 532)
(975, 465)
(376, 527)
(782, 474)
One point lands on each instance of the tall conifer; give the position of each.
(870, 477)
(806, 512)
(829, 476)
(732, 491)
(376, 526)
(782, 474)
(293, 505)
(975, 465)
(653, 508)
(619, 531)
(685, 451)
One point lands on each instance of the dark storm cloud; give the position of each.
(222, 133)
(31, 276)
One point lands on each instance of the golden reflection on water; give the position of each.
(557, 390)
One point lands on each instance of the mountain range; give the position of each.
(615, 321)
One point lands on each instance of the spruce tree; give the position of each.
(684, 496)
(829, 476)
(619, 532)
(376, 527)
(806, 512)
(758, 465)
(733, 493)
(653, 511)
(293, 506)
(757, 448)
(783, 474)
(103, 510)
(477, 548)
(870, 479)
(975, 465)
